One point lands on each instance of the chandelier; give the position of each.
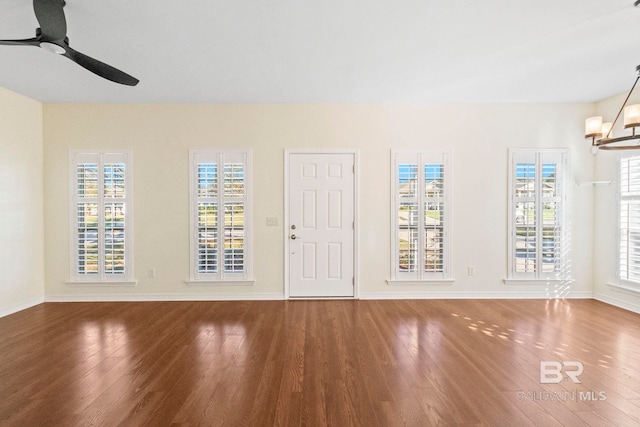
(601, 133)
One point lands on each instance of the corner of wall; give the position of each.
(22, 204)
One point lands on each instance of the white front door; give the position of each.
(321, 226)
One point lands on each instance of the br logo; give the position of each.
(552, 372)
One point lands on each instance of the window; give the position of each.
(220, 216)
(101, 206)
(539, 234)
(421, 216)
(629, 225)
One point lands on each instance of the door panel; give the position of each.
(321, 225)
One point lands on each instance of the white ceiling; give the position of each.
(331, 51)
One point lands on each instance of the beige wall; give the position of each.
(21, 197)
(606, 213)
(161, 135)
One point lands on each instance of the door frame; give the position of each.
(356, 216)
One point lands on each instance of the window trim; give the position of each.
(538, 277)
(220, 277)
(76, 278)
(420, 277)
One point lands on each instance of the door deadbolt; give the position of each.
(293, 227)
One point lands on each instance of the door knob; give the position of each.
(293, 237)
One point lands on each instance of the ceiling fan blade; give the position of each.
(24, 42)
(100, 68)
(50, 15)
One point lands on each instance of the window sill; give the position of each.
(220, 282)
(420, 282)
(625, 287)
(125, 283)
(510, 282)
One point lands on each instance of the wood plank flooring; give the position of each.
(316, 363)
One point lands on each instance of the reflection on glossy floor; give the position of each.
(341, 363)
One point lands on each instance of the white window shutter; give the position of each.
(629, 237)
(102, 234)
(220, 215)
(538, 228)
(421, 215)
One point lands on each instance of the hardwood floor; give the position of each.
(340, 363)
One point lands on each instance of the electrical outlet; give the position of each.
(151, 273)
(471, 270)
(272, 221)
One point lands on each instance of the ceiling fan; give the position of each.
(52, 36)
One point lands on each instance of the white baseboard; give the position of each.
(14, 308)
(276, 296)
(617, 302)
(477, 295)
(162, 297)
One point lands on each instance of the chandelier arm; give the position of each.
(623, 105)
(602, 142)
(619, 147)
